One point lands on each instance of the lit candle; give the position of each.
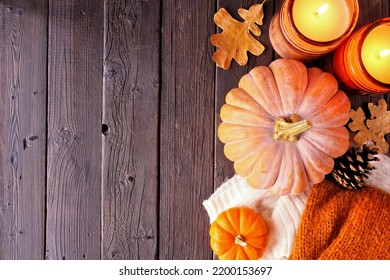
(321, 20)
(308, 29)
(362, 62)
(376, 53)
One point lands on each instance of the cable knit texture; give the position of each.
(342, 224)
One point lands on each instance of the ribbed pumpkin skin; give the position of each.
(283, 89)
(233, 222)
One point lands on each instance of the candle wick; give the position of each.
(384, 53)
(322, 9)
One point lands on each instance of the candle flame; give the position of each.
(322, 9)
(384, 53)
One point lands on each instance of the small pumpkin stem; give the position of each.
(240, 240)
(289, 129)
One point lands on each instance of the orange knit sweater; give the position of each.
(342, 224)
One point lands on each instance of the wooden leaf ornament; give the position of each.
(238, 233)
(373, 129)
(236, 38)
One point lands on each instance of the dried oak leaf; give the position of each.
(236, 39)
(373, 129)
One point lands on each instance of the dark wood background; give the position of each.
(108, 113)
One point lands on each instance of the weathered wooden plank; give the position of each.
(23, 53)
(74, 129)
(372, 10)
(228, 79)
(187, 128)
(130, 128)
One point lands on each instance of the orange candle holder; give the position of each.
(305, 45)
(359, 55)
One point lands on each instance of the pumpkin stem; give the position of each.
(289, 129)
(240, 240)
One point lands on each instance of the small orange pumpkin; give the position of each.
(238, 233)
(283, 126)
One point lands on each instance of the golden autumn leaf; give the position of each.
(236, 39)
(373, 129)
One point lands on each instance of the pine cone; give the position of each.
(351, 169)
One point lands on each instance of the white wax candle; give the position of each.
(321, 20)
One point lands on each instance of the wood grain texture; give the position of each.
(228, 79)
(74, 129)
(23, 44)
(187, 128)
(130, 118)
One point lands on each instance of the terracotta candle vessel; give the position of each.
(308, 29)
(362, 62)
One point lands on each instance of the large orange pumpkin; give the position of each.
(238, 233)
(283, 126)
